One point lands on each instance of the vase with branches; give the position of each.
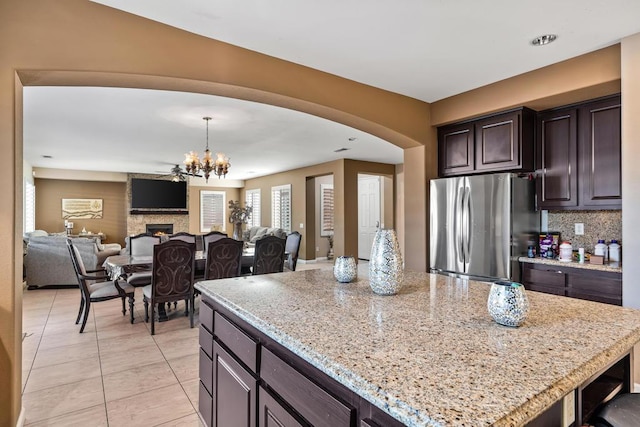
(238, 217)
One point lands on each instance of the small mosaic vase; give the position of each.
(507, 303)
(345, 269)
(386, 273)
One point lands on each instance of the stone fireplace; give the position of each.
(159, 229)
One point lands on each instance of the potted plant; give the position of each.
(238, 216)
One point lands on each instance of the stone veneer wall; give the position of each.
(136, 224)
(605, 225)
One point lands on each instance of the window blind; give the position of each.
(281, 207)
(212, 215)
(252, 198)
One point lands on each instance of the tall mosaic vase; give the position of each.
(507, 303)
(386, 272)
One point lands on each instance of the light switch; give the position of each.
(579, 229)
(301, 225)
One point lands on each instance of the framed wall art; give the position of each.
(81, 208)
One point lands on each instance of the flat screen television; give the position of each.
(158, 194)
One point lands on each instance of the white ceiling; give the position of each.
(426, 49)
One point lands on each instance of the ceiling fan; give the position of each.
(178, 174)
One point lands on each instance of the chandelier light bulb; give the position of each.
(193, 164)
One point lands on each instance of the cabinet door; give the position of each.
(234, 391)
(273, 414)
(455, 149)
(557, 159)
(600, 153)
(498, 143)
(595, 286)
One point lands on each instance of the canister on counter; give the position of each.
(581, 255)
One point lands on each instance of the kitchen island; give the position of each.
(430, 355)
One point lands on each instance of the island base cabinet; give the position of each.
(272, 414)
(234, 391)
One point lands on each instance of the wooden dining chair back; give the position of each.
(292, 247)
(185, 237)
(212, 236)
(224, 259)
(142, 244)
(96, 286)
(171, 278)
(268, 256)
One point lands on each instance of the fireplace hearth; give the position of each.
(159, 229)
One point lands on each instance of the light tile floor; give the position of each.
(113, 374)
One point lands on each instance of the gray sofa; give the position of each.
(47, 261)
(257, 232)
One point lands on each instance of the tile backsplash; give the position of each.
(605, 225)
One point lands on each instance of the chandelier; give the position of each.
(193, 165)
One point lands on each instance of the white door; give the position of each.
(368, 213)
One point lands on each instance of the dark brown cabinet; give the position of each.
(502, 142)
(592, 285)
(247, 379)
(579, 156)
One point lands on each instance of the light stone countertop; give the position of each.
(613, 267)
(432, 355)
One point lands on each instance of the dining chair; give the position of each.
(268, 256)
(224, 259)
(212, 236)
(141, 245)
(292, 247)
(171, 278)
(96, 287)
(185, 237)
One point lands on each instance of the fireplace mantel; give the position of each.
(156, 212)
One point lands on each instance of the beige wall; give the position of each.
(49, 195)
(194, 207)
(630, 61)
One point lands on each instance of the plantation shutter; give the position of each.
(212, 204)
(252, 198)
(281, 207)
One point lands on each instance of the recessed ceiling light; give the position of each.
(543, 40)
(46, 156)
(340, 149)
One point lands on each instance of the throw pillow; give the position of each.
(259, 234)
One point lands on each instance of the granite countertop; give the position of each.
(432, 355)
(613, 267)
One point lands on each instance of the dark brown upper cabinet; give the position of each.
(578, 156)
(502, 142)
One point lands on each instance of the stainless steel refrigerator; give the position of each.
(481, 224)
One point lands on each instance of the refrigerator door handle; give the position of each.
(467, 225)
(459, 234)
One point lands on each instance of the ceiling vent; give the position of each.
(340, 149)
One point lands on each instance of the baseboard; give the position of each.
(636, 387)
(21, 418)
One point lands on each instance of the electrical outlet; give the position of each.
(579, 229)
(317, 248)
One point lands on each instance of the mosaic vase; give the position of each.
(507, 303)
(386, 272)
(345, 269)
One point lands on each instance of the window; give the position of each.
(29, 207)
(252, 198)
(212, 206)
(281, 207)
(326, 209)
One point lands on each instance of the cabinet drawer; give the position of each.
(555, 290)
(241, 344)
(206, 371)
(543, 276)
(312, 402)
(206, 316)
(205, 405)
(206, 341)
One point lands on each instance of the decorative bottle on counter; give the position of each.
(601, 249)
(614, 251)
(508, 303)
(345, 269)
(385, 266)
